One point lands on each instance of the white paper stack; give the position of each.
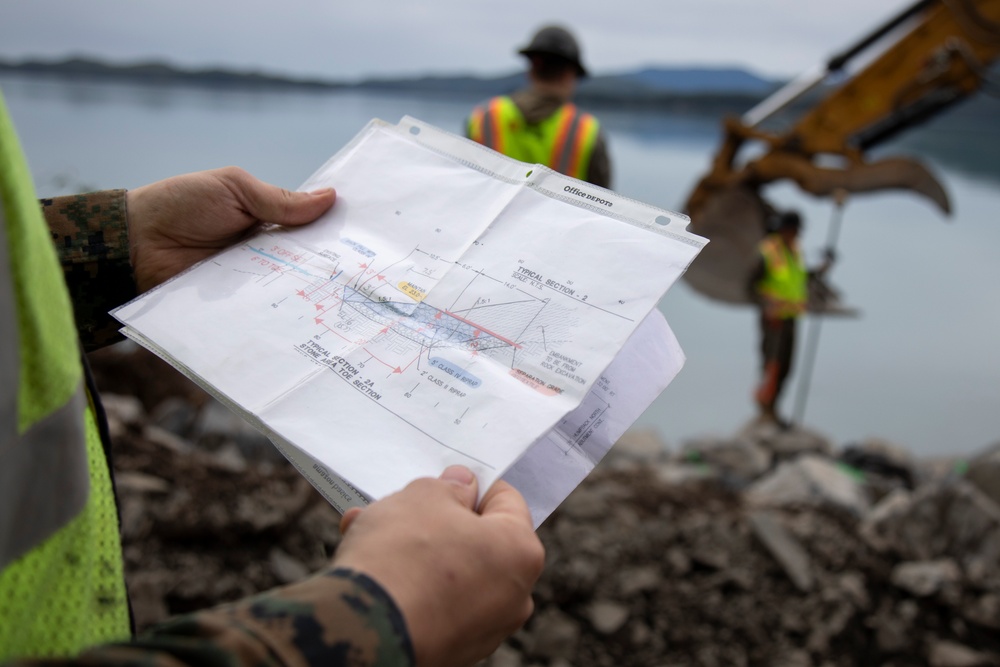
(453, 307)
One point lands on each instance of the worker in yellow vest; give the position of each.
(780, 287)
(540, 124)
(421, 576)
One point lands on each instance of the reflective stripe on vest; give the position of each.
(574, 142)
(785, 277)
(61, 582)
(564, 141)
(493, 132)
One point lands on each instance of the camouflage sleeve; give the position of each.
(91, 236)
(337, 618)
(599, 170)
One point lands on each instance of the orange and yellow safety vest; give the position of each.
(61, 583)
(785, 281)
(564, 141)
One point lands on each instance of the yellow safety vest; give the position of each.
(785, 278)
(61, 581)
(564, 141)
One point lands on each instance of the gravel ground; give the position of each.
(752, 550)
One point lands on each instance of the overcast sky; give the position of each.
(349, 40)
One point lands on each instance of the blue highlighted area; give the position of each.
(463, 376)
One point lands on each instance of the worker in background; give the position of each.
(780, 288)
(540, 124)
(420, 577)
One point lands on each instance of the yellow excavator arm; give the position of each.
(941, 60)
(931, 55)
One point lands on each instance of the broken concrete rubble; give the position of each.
(924, 578)
(942, 519)
(984, 472)
(785, 549)
(810, 480)
(657, 559)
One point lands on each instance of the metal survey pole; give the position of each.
(815, 323)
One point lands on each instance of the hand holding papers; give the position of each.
(454, 307)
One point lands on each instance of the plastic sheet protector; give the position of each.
(453, 307)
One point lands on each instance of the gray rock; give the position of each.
(218, 423)
(709, 555)
(891, 635)
(984, 472)
(794, 658)
(741, 458)
(878, 522)
(639, 633)
(853, 587)
(554, 635)
(682, 474)
(940, 469)
(585, 503)
(639, 445)
(895, 453)
(576, 537)
(122, 413)
(126, 409)
(504, 656)
(984, 610)
(786, 443)
(134, 515)
(165, 439)
(607, 616)
(924, 578)
(228, 458)
(146, 596)
(785, 548)
(580, 574)
(952, 654)
(285, 567)
(943, 520)
(884, 465)
(137, 482)
(678, 560)
(638, 579)
(798, 440)
(893, 625)
(175, 414)
(809, 480)
(834, 620)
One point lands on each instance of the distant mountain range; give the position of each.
(965, 136)
(153, 72)
(691, 80)
(721, 89)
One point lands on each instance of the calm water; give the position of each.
(920, 366)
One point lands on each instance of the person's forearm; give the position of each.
(337, 618)
(90, 233)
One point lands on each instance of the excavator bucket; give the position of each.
(734, 219)
(921, 61)
(895, 173)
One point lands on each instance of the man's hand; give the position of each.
(180, 221)
(462, 578)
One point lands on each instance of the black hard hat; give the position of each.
(555, 41)
(790, 220)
